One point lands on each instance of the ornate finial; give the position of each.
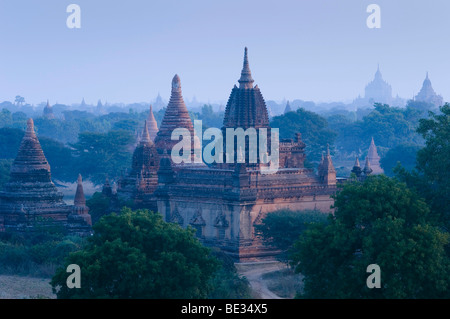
(80, 179)
(357, 162)
(151, 108)
(176, 83)
(328, 149)
(246, 80)
(145, 136)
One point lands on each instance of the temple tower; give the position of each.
(378, 91)
(48, 111)
(246, 109)
(142, 181)
(176, 116)
(327, 172)
(374, 159)
(288, 108)
(152, 125)
(79, 208)
(30, 197)
(357, 168)
(428, 95)
(367, 167)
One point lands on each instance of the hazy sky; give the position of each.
(128, 51)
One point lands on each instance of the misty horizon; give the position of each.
(321, 52)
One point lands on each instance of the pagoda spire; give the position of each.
(357, 168)
(145, 138)
(80, 199)
(288, 108)
(30, 163)
(152, 124)
(176, 116)
(374, 158)
(327, 172)
(367, 169)
(246, 80)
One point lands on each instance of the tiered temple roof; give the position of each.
(176, 116)
(246, 106)
(30, 196)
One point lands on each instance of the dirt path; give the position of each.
(254, 272)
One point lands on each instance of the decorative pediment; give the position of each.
(197, 219)
(221, 221)
(176, 217)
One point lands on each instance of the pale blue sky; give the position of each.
(128, 51)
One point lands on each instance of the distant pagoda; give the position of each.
(378, 91)
(142, 181)
(48, 111)
(288, 108)
(152, 125)
(374, 159)
(30, 197)
(428, 95)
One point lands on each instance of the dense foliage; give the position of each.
(432, 173)
(314, 129)
(282, 228)
(138, 255)
(379, 221)
(37, 253)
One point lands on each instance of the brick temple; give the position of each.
(224, 201)
(30, 198)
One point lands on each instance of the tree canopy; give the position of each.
(379, 221)
(138, 255)
(313, 127)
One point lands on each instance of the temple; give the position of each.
(176, 116)
(223, 201)
(371, 164)
(48, 111)
(374, 159)
(378, 91)
(428, 95)
(30, 198)
(288, 108)
(140, 183)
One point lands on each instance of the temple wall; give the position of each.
(238, 237)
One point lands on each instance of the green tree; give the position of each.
(432, 175)
(138, 255)
(5, 166)
(101, 154)
(389, 126)
(19, 100)
(5, 118)
(282, 228)
(313, 127)
(379, 221)
(405, 154)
